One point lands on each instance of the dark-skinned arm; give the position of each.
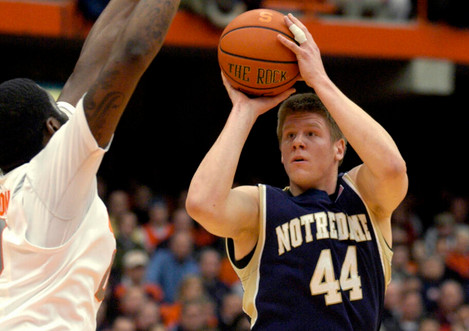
(133, 50)
(96, 49)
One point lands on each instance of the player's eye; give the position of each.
(289, 135)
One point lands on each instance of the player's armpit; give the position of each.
(236, 218)
(382, 196)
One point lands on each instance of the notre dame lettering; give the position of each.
(328, 225)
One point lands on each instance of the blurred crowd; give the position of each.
(429, 290)
(170, 274)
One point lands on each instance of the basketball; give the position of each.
(252, 58)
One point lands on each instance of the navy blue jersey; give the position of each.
(320, 263)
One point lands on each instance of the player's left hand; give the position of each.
(258, 105)
(307, 53)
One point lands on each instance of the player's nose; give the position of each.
(298, 141)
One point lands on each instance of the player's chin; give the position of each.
(300, 167)
(299, 174)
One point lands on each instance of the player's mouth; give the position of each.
(298, 159)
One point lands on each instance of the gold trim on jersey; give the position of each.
(385, 252)
(249, 275)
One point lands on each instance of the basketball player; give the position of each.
(317, 254)
(56, 244)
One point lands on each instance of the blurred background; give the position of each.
(406, 62)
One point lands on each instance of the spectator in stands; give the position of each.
(376, 9)
(158, 229)
(123, 323)
(412, 283)
(418, 252)
(459, 208)
(431, 272)
(442, 232)
(194, 316)
(129, 237)
(142, 197)
(401, 267)
(182, 221)
(412, 310)
(135, 263)
(220, 13)
(450, 301)
(118, 202)
(457, 259)
(407, 219)
(429, 324)
(149, 316)
(231, 311)
(158, 327)
(191, 289)
(392, 305)
(168, 266)
(209, 265)
(132, 302)
(462, 316)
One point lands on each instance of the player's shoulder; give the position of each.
(250, 190)
(66, 108)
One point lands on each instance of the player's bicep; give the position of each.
(107, 98)
(237, 216)
(381, 195)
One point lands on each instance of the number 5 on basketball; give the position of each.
(325, 282)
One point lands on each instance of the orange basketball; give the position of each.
(252, 58)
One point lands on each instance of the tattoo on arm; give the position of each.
(98, 114)
(141, 39)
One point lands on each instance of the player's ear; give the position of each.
(52, 125)
(340, 148)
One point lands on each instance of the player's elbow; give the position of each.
(196, 207)
(137, 53)
(393, 170)
(200, 208)
(396, 167)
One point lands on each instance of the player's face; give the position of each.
(309, 156)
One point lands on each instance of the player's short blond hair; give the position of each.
(306, 103)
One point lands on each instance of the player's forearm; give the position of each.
(131, 54)
(96, 48)
(144, 34)
(370, 140)
(114, 15)
(211, 184)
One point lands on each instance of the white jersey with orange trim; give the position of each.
(56, 244)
